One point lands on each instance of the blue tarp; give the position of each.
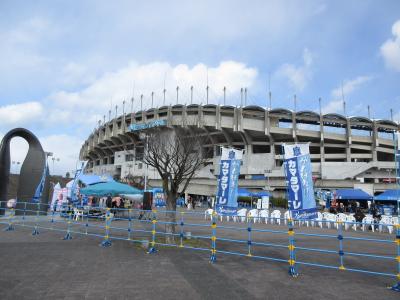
(88, 179)
(105, 188)
(242, 192)
(389, 195)
(353, 194)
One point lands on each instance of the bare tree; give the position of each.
(177, 154)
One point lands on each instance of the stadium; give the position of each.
(346, 152)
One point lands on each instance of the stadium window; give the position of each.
(261, 149)
(129, 157)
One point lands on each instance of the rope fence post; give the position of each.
(52, 218)
(213, 257)
(24, 215)
(396, 287)
(292, 253)
(152, 248)
(129, 223)
(68, 235)
(86, 210)
(10, 220)
(107, 242)
(181, 235)
(249, 236)
(340, 238)
(35, 229)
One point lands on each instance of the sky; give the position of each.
(65, 64)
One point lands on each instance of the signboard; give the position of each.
(141, 126)
(298, 173)
(265, 202)
(228, 181)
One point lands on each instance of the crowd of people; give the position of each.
(354, 208)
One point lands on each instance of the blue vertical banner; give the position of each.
(228, 181)
(39, 190)
(78, 172)
(298, 171)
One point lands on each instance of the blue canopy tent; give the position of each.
(106, 188)
(242, 192)
(388, 195)
(353, 194)
(388, 201)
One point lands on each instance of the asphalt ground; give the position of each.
(46, 267)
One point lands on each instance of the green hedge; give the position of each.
(278, 202)
(275, 202)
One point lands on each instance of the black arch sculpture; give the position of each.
(33, 174)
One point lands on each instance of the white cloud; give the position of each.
(20, 114)
(333, 106)
(298, 76)
(64, 147)
(350, 85)
(114, 87)
(390, 50)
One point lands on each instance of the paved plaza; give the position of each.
(47, 267)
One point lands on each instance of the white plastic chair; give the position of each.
(286, 216)
(208, 212)
(77, 214)
(253, 214)
(348, 223)
(276, 216)
(386, 221)
(341, 217)
(264, 214)
(368, 221)
(330, 219)
(241, 215)
(318, 220)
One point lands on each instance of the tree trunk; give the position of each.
(171, 217)
(171, 196)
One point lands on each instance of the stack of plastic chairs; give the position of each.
(286, 216)
(241, 215)
(368, 220)
(263, 214)
(386, 221)
(276, 215)
(253, 214)
(350, 221)
(208, 212)
(318, 220)
(329, 218)
(340, 218)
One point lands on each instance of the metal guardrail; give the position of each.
(213, 236)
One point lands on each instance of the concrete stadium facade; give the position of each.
(346, 152)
